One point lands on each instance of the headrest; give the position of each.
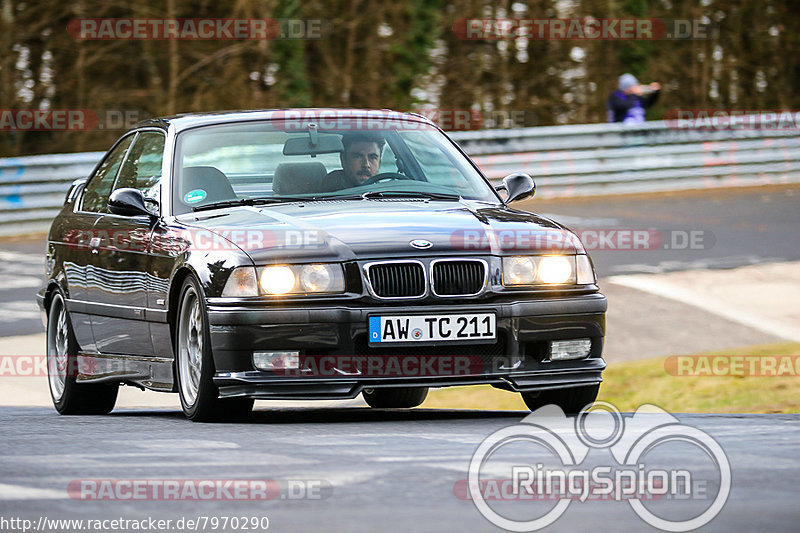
(205, 185)
(298, 178)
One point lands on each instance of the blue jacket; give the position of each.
(629, 108)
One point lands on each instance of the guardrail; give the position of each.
(598, 159)
(576, 160)
(32, 188)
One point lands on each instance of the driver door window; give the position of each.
(95, 197)
(142, 168)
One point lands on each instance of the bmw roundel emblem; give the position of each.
(422, 244)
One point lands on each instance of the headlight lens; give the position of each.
(277, 279)
(555, 269)
(316, 278)
(538, 270)
(301, 279)
(519, 270)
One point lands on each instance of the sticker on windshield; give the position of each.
(192, 197)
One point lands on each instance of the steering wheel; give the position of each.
(386, 176)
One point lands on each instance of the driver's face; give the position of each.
(361, 161)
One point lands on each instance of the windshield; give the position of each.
(265, 160)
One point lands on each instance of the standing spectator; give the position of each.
(628, 103)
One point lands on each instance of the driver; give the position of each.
(360, 159)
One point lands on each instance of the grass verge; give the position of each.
(631, 384)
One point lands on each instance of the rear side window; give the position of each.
(99, 187)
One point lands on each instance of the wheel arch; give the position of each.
(52, 287)
(173, 302)
(173, 297)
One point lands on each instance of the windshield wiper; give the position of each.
(411, 194)
(253, 201)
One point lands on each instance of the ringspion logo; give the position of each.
(629, 475)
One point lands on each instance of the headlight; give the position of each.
(536, 270)
(519, 270)
(301, 279)
(277, 280)
(316, 278)
(555, 269)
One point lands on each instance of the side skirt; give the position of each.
(154, 373)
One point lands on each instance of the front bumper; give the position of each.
(517, 361)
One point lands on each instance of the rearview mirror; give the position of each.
(128, 202)
(518, 186)
(319, 144)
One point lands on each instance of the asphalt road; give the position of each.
(367, 470)
(732, 228)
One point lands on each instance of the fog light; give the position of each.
(572, 349)
(276, 360)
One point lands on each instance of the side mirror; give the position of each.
(518, 186)
(128, 202)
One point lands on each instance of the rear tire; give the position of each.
(395, 398)
(194, 363)
(69, 396)
(571, 400)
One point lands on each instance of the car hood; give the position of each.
(378, 228)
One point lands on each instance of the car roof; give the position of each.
(191, 120)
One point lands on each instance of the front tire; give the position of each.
(571, 400)
(69, 396)
(195, 363)
(395, 398)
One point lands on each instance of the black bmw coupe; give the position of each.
(310, 254)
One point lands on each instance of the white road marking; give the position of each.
(19, 310)
(19, 282)
(21, 257)
(176, 444)
(673, 291)
(578, 223)
(718, 262)
(19, 492)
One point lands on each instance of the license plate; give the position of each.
(421, 328)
